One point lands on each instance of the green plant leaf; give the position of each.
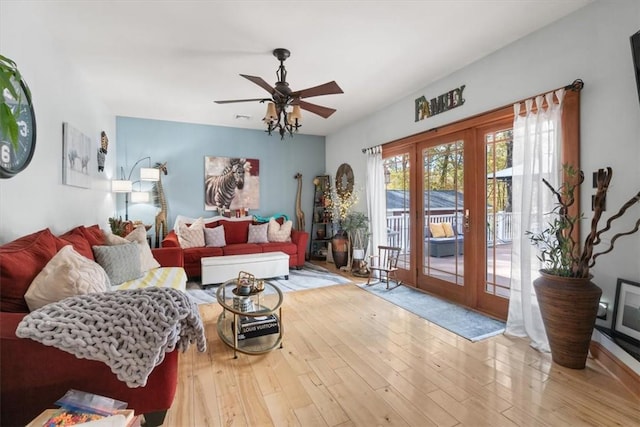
(9, 124)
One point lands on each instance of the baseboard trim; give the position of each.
(629, 378)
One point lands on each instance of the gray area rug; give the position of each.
(459, 320)
(311, 276)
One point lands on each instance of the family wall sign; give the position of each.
(445, 102)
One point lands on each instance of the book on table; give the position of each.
(252, 327)
(82, 408)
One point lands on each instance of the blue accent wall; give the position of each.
(183, 146)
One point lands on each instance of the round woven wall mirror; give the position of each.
(344, 180)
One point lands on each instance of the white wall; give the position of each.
(36, 198)
(592, 44)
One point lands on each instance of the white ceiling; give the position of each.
(170, 59)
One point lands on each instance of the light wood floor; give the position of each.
(353, 359)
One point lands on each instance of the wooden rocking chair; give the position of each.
(386, 263)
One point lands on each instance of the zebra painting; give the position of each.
(234, 187)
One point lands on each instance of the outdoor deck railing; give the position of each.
(398, 227)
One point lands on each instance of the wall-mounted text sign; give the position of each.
(440, 104)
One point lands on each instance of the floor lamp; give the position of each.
(125, 185)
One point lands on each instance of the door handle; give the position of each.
(466, 219)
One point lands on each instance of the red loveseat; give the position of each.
(33, 376)
(236, 234)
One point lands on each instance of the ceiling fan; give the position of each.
(277, 116)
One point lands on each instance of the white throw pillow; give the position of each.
(279, 233)
(66, 274)
(191, 236)
(214, 237)
(139, 235)
(258, 233)
(111, 239)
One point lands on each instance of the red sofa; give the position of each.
(33, 376)
(236, 236)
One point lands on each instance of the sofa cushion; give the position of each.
(20, 262)
(242, 249)
(258, 233)
(214, 237)
(288, 248)
(193, 255)
(76, 238)
(93, 234)
(67, 274)
(236, 231)
(279, 233)
(191, 236)
(121, 262)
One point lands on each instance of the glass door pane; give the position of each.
(498, 212)
(398, 197)
(443, 212)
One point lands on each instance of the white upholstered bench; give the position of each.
(219, 269)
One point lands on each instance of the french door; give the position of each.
(459, 256)
(457, 184)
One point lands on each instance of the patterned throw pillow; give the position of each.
(279, 233)
(258, 233)
(67, 274)
(214, 237)
(121, 262)
(191, 236)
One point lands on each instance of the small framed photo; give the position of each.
(626, 311)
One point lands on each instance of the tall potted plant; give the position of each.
(567, 298)
(341, 206)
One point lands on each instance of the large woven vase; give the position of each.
(569, 307)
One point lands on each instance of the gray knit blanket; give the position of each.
(129, 330)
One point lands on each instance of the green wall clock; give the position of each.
(15, 156)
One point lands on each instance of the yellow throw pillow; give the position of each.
(436, 229)
(448, 229)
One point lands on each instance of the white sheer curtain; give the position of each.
(537, 154)
(376, 202)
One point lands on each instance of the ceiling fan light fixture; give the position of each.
(277, 117)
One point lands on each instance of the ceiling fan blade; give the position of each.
(330, 88)
(260, 82)
(316, 109)
(229, 101)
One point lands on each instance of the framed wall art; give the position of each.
(231, 183)
(76, 157)
(626, 311)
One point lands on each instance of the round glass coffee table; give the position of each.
(257, 317)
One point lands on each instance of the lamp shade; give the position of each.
(271, 115)
(121, 186)
(149, 174)
(140, 197)
(295, 114)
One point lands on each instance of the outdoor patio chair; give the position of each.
(385, 264)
